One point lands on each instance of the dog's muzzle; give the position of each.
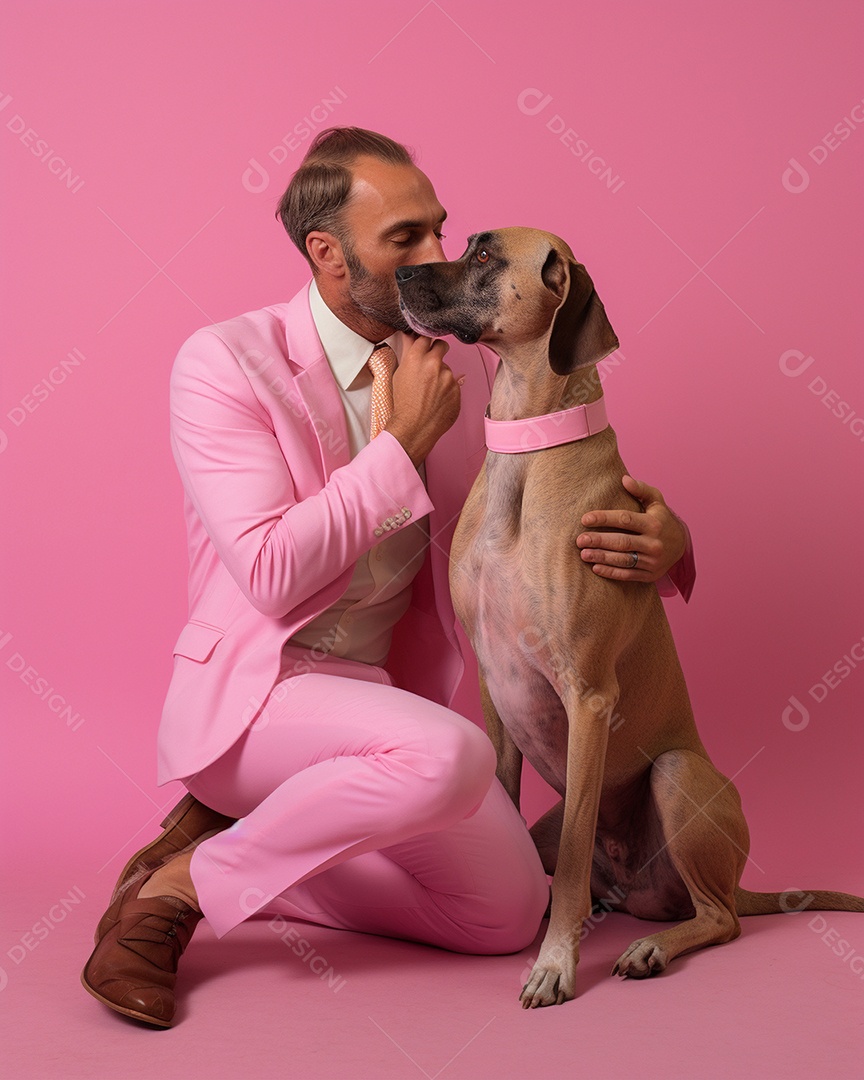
(426, 299)
(430, 300)
(405, 273)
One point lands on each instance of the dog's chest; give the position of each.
(528, 705)
(496, 598)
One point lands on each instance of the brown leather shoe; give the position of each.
(187, 822)
(133, 968)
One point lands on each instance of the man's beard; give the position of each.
(376, 297)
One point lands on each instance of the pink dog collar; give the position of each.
(540, 432)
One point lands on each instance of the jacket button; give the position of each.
(406, 513)
(379, 531)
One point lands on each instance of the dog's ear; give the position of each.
(581, 333)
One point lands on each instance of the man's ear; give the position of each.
(581, 333)
(326, 253)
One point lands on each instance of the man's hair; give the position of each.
(318, 191)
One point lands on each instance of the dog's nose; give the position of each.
(405, 273)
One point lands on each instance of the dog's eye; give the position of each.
(483, 255)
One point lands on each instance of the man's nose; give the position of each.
(435, 250)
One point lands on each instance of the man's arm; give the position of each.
(660, 538)
(279, 550)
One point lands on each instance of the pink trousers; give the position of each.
(364, 807)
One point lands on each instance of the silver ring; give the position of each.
(634, 555)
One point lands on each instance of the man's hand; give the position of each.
(657, 536)
(426, 397)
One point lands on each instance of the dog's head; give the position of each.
(511, 287)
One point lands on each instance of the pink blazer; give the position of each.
(275, 507)
(277, 514)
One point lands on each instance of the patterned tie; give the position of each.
(382, 363)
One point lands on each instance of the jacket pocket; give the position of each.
(197, 641)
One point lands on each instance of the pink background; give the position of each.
(723, 270)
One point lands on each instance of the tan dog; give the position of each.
(579, 672)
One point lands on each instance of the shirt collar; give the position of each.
(346, 351)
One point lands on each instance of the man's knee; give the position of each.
(466, 750)
(520, 924)
(461, 764)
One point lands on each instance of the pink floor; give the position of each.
(781, 1001)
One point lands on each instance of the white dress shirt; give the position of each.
(360, 624)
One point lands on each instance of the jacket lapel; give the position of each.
(315, 385)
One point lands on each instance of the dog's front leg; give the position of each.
(509, 767)
(553, 977)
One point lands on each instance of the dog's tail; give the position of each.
(773, 903)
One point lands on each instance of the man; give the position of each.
(325, 452)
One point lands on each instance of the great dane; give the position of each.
(579, 673)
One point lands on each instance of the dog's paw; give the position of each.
(644, 957)
(551, 982)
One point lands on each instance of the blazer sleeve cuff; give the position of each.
(401, 494)
(682, 576)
